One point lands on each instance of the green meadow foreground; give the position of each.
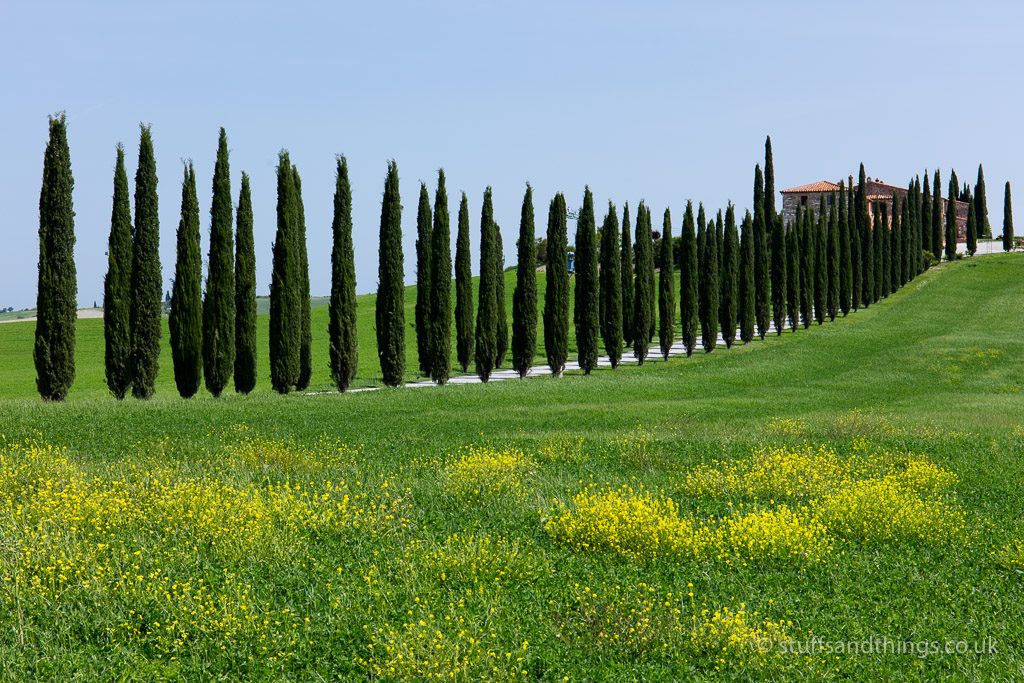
(704, 518)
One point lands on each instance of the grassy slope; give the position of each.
(937, 368)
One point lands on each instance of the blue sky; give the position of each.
(665, 101)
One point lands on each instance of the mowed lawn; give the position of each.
(856, 480)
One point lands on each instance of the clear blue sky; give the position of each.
(665, 101)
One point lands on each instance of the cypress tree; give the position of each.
(390, 310)
(885, 278)
(147, 279)
(500, 309)
(720, 236)
(972, 226)
(610, 288)
(186, 317)
(441, 286)
(245, 293)
(1007, 219)
(730, 275)
(57, 293)
(688, 277)
(218, 306)
(524, 298)
(769, 187)
(906, 234)
(285, 320)
(845, 264)
(761, 279)
(820, 263)
(936, 226)
(709, 291)
(867, 253)
(950, 237)
(422, 311)
(856, 270)
(981, 206)
(915, 231)
(117, 286)
(341, 326)
(878, 246)
(926, 216)
(626, 271)
(806, 269)
(464, 288)
(793, 275)
(556, 288)
(486, 348)
(643, 310)
(833, 265)
(778, 271)
(587, 318)
(652, 265)
(745, 305)
(666, 288)
(302, 281)
(895, 246)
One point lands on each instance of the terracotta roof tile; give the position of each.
(820, 186)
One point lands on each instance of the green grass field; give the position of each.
(857, 479)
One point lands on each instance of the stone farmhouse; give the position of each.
(879, 194)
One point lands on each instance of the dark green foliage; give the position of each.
(807, 268)
(745, 305)
(981, 206)
(904, 243)
(302, 279)
(1007, 219)
(440, 285)
(500, 310)
(688, 277)
(610, 288)
(972, 226)
(57, 293)
(895, 244)
(833, 265)
(867, 253)
(925, 215)
(819, 244)
(762, 285)
(652, 291)
(856, 268)
(778, 271)
(950, 236)
(285, 318)
(186, 317)
(464, 288)
(219, 304)
(769, 187)
(708, 291)
(341, 326)
(486, 346)
(878, 246)
(245, 293)
(937, 228)
(885, 242)
(390, 311)
(422, 311)
(666, 288)
(524, 298)
(794, 281)
(588, 326)
(643, 289)
(556, 288)
(626, 272)
(147, 279)
(845, 264)
(730, 278)
(117, 287)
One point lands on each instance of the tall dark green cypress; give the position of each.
(926, 215)
(778, 271)
(688, 278)
(884, 259)
(341, 326)
(950, 236)
(464, 315)
(807, 268)
(219, 304)
(440, 303)
(905, 227)
(500, 309)
(587, 319)
(422, 310)
(302, 281)
(487, 311)
(856, 269)
(762, 284)
(793, 276)
(117, 286)
(610, 289)
(652, 291)
(895, 247)
(666, 288)
(245, 292)
(556, 287)
(524, 298)
(745, 305)
(769, 187)
(832, 260)
(937, 230)
(708, 288)
(820, 263)
(730, 277)
(285, 320)
(867, 253)
(878, 245)
(1007, 219)
(643, 290)
(57, 293)
(147, 279)
(186, 317)
(972, 226)
(981, 206)
(390, 311)
(845, 265)
(626, 272)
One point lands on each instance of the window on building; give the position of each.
(831, 199)
(803, 200)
